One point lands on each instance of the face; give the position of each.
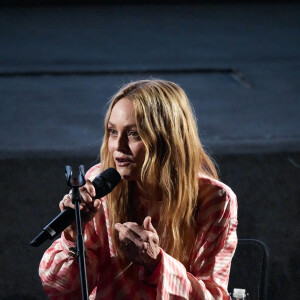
(125, 144)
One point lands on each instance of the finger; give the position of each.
(123, 239)
(126, 233)
(130, 223)
(87, 193)
(125, 242)
(139, 230)
(130, 249)
(97, 204)
(61, 205)
(95, 207)
(148, 225)
(89, 206)
(89, 188)
(86, 197)
(83, 207)
(66, 202)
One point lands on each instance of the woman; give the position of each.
(168, 230)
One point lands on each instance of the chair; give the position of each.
(250, 268)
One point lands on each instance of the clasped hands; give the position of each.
(140, 244)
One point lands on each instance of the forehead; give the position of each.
(122, 111)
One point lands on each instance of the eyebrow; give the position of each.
(127, 126)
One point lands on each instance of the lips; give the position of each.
(122, 161)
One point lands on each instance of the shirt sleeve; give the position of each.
(211, 258)
(59, 268)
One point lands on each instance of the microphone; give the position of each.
(103, 183)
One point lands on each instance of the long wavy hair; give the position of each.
(174, 157)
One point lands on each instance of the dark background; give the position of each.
(59, 65)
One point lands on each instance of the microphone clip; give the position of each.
(73, 181)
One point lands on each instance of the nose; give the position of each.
(122, 144)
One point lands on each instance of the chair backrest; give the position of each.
(250, 268)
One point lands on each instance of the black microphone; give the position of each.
(103, 183)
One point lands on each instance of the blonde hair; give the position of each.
(174, 157)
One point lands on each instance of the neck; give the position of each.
(144, 203)
(146, 193)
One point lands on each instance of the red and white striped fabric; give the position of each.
(211, 258)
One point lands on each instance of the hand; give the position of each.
(88, 206)
(140, 244)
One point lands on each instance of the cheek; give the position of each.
(110, 146)
(140, 152)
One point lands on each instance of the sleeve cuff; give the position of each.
(173, 278)
(154, 277)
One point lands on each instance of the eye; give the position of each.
(112, 132)
(134, 134)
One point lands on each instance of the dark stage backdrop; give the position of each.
(32, 187)
(59, 65)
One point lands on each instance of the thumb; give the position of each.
(148, 225)
(90, 188)
(97, 203)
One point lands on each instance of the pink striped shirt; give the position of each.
(209, 271)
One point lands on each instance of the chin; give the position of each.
(125, 175)
(128, 176)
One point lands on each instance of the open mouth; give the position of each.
(122, 161)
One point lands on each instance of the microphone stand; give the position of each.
(75, 183)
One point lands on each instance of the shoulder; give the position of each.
(216, 200)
